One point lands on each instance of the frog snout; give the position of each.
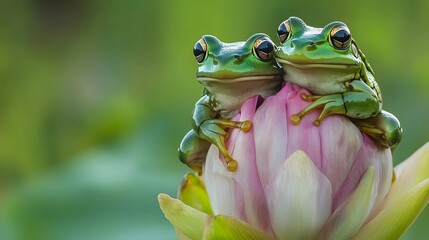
(308, 45)
(295, 42)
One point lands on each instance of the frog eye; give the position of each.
(340, 37)
(263, 48)
(283, 31)
(200, 50)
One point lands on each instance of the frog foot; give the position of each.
(331, 104)
(213, 131)
(296, 118)
(231, 164)
(245, 126)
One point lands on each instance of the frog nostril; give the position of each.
(236, 56)
(238, 59)
(311, 46)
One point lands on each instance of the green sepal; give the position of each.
(192, 192)
(225, 227)
(186, 219)
(193, 224)
(393, 221)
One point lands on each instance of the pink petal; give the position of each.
(351, 214)
(409, 174)
(298, 198)
(333, 146)
(340, 144)
(369, 155)
(249, 196)
(270, 137)
(220, 184)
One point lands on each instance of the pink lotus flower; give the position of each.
(302, 181)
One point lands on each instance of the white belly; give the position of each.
(319, 81)
(229, 96)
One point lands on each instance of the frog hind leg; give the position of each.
(213, 131)
(193, 151)
(384, 128)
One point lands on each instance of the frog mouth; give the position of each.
(315, 65)
(240, 79)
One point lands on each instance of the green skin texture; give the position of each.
(230, 74)
(341, 80)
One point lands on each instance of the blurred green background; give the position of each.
(95, 97)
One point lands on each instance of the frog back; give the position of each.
(369, 72)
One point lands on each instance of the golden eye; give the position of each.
(263, 48)
(340, 37)
(283, 31)
(200, 50)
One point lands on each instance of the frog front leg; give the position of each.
(384, 128)
(359, 102)
(208, 126)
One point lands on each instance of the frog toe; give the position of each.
(231, 164)
(219, 142)
(316, 123)
(246, 125)
(295, 119)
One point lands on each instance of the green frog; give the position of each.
(230, 74)
(329, 64)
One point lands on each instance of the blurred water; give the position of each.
(109, 193)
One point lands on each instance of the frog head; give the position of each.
(251, 59)
(233, 72)
(319, 59)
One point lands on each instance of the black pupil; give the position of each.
(341, 36)
(282, 32)
(266, 47)
(198, 49)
